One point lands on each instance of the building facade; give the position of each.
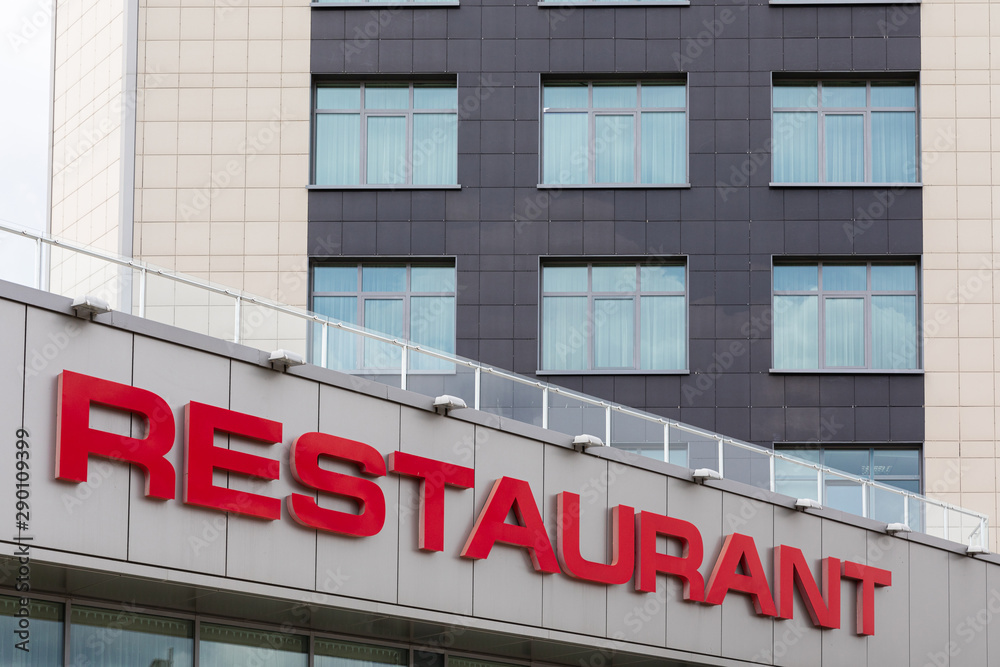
(713, 211)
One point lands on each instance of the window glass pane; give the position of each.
(386, 149)
(661, 278)
(853, 278)
(894, 332)
(844, 94)
(564, 279)
(614, 333)
(384, 316)
(844, 495)
(911, 485)
(138, 639)
(894, 277)
(845, 148)
(894, 147)
(795, 147)
(796, 278)
(341, 346)
(810, 454)
(223, 646)
(896, 462)
(338, 97)
(662, 333)
(565, 96)
(338, 149)
(564, 333)
(387, 96)
(796, 332)
(614, 96)
(845, 332)
(432, 279)
(435, 149)
(383, 278)
(614, 278)
(663, 147)
(45, 643)
(852, 461)
(335, 279)
(663, 95)
(435, 97)
(432, 324)
(614, 149)
(332, 653)
(794, 95)
(564, 148)
(893, 94)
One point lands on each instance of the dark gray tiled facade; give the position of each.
(729, 223)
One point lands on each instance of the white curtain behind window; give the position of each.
(894, 332)
(564, 333)
(845, 148)
(796, 332)
(662, 333)
(386, 150)
(795, 147)
(845, 332)
(614, 333)
(664, 147)
(564, 150)
(338, 149)
(435, 149)
(894, 157)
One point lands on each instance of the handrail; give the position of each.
(406, 374)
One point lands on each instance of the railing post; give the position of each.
(819, 487)
(545, 407)
(906, 509)
(983, 529)
(771, 463)
(721, 463)
(478, 382)
(944, 521)
(402, 366)
(324, 341)
(865, 492)
(607, 425)
(40, 256)
(237, 319)
(666, 441)
(142, 292)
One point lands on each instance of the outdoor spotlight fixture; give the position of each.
(894, 528)
(702, 474)
(282, 360)
(803, 504)
(446, 402)
(88, 306)
(585, 441)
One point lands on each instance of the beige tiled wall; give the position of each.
(960, 44)
(222, 142)
(86, 149)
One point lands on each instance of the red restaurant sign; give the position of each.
(635, 556)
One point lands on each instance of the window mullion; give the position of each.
(408, 156)
(363, 176)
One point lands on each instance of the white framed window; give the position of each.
(613, 317)
(610, 133)
(385, 135)
(846, 316)
(844, 132)
(415, 302)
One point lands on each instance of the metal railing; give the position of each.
(198, 305)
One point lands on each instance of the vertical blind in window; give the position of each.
(845, 315)
(387, 134)
(109, 638)
(844, 132)
(613, 317)
(614, 133)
